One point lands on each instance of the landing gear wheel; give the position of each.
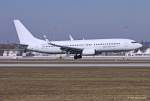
(77, 56)
(80, 56)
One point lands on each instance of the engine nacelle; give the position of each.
(88, 52)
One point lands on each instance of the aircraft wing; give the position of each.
(70, 50)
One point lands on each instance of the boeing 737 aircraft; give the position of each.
(78, 48)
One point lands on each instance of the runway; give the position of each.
(107, 61)
(78, 65)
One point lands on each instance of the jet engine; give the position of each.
(88, 52)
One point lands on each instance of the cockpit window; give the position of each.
(133, 42)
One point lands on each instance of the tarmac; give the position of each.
(103, 61)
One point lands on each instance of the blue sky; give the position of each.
(81, 18)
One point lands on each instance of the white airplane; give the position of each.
(78, 48)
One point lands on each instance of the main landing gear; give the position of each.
(77, 56)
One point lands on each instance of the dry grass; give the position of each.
(74, 84)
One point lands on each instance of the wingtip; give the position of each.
(16, 20)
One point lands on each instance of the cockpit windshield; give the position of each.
(133, 42)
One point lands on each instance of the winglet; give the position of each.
(71, 38)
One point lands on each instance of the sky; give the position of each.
(89, 19)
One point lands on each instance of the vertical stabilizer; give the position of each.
(24, 35)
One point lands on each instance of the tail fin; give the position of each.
(24, 35)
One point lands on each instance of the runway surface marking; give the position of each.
(77, 65)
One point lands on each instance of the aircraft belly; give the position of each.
(48, 50)
(53, 50)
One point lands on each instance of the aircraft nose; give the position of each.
(139, 45)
